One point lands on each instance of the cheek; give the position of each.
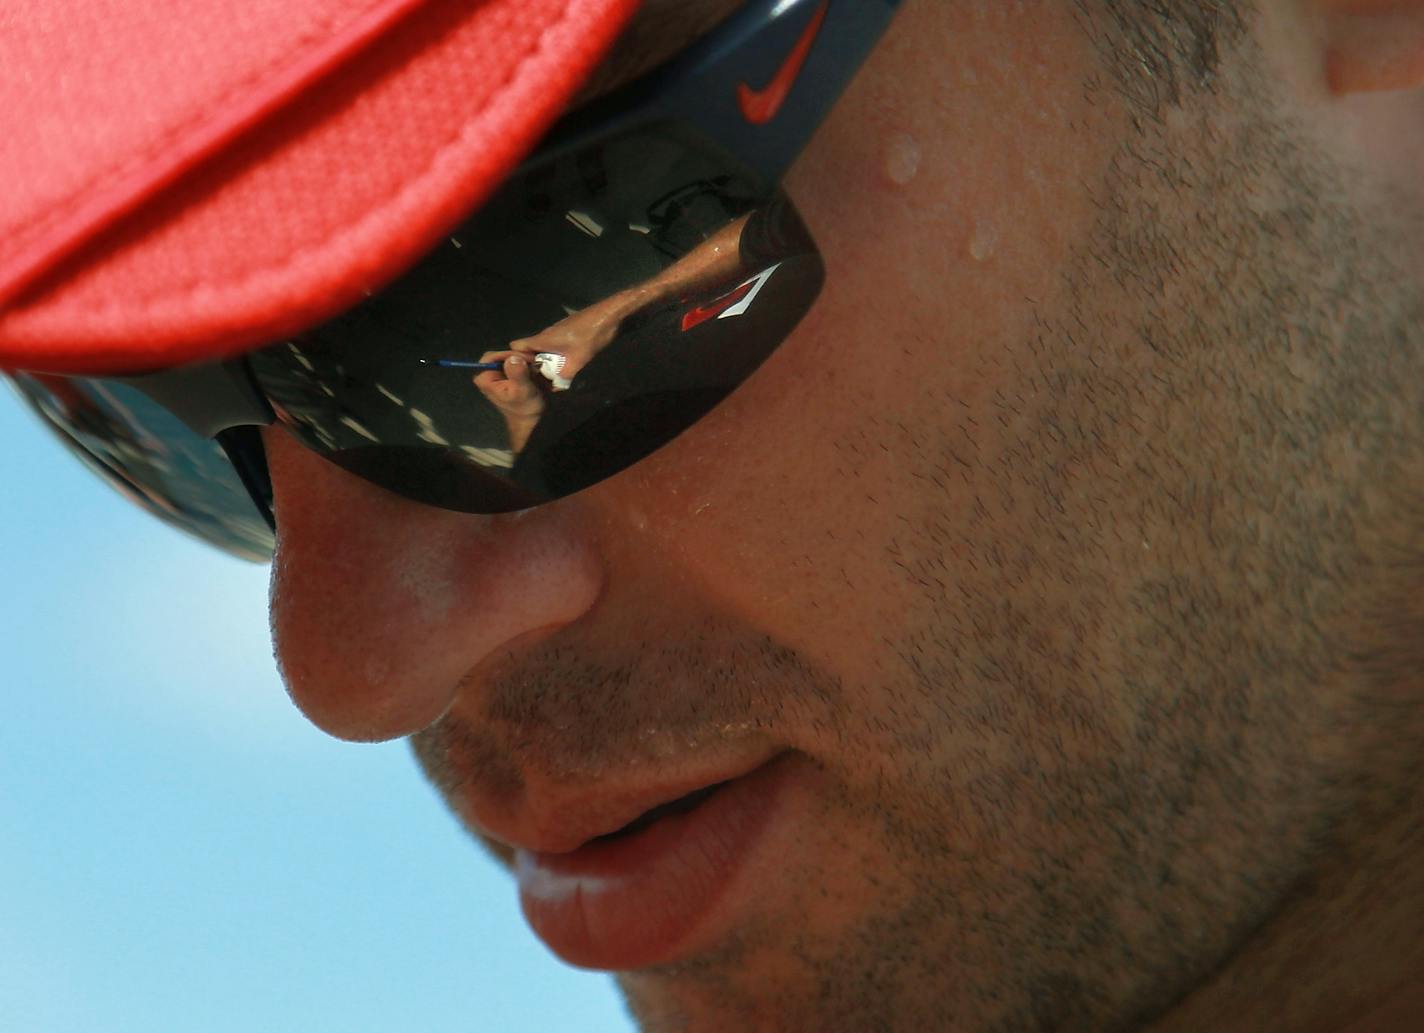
(779, 505)
(807, 502)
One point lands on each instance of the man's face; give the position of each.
(1021, 581)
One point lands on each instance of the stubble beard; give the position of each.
(1171, 695)
(1131, 720)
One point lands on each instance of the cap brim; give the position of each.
(188, 181)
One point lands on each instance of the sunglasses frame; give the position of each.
(758, 87)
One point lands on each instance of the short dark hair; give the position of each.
(1162, 50)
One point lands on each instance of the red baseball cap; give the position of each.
(185, 180)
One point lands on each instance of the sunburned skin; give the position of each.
(902, 159)
(983, 241)
(1143, 286)
(537, 577)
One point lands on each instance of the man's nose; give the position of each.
(383, 609)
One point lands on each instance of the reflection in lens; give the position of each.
(604, 301)
(636, 283)
(151, 457)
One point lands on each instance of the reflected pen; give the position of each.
(463, 364)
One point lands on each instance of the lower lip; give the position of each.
(638, 901)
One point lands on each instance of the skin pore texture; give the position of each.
(1072, 551)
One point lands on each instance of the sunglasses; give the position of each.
(633, 272)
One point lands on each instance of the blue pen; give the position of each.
(461, 364)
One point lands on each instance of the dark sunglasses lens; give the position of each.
(639, 280)
(151, 457)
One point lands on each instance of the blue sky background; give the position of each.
(181, 851)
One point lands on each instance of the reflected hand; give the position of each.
(513, 392)
(581, 336)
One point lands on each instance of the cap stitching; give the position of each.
(187, 289)
(43, 220)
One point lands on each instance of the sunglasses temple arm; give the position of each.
(208, 398)
(837, 36)
(798, 55)
(221, 401)
(243, 447)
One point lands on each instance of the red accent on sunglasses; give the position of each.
(704, 313)
(761, 106)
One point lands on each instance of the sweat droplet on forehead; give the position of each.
(902, 159)
(983, 241)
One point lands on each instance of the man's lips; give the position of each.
(558, 821)
(682, 805)
(645, 891)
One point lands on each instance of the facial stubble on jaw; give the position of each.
(1091, 888)
(1204, 361)
(1128, 877)
(587, 714)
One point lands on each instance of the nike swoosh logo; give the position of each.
(736, 303)
(761, 106)
(697, 316)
